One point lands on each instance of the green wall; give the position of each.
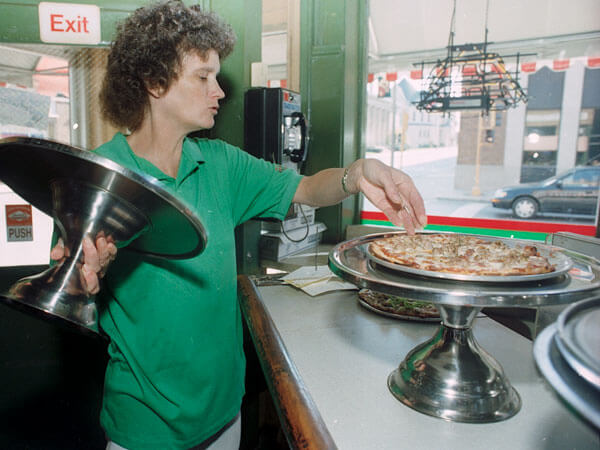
(245, 16)
(333, 87)
(19, 19)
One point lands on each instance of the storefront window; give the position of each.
(540, 145)
(461, 160)
(588, 145)
(34, 94)
(51, 92)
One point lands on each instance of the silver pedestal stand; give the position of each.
(450, 376)
(88, 195)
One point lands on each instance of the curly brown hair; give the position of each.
(148, 51)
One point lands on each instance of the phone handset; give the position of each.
(295, 137)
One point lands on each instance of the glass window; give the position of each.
(34, 101)
(582, 178)
(468, 166)
(588, 145)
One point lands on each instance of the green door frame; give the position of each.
(333, 87)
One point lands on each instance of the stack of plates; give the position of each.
(568, 355)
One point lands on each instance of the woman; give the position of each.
(175, 378)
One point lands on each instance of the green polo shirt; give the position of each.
(176, 369)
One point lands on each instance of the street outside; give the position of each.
(432, 170)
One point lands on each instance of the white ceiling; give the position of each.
(401, 26)
(399, 29)
(402, 32)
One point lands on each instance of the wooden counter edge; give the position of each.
(302, 424)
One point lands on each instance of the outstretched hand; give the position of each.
(96, 259)
(392, 191)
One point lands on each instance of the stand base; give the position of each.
(451, 377)
(39, 295)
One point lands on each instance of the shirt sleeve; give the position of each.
(259, 188)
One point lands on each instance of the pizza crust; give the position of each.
(460, 254)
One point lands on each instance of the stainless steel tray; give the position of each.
(559, 260)
(578, 338)
(576, 392)
(350, 261)
(29, 166)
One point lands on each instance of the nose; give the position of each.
(217, 91)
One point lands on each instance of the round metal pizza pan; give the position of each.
(574, 390)
(29, 166)
(578, 338)
(350, 261)
(561, 262)
(398, 316)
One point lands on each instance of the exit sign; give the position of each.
(67, 23)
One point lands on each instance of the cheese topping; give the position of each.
(460, 254)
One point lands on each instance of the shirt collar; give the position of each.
(191, 158)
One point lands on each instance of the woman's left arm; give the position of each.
(391, 190)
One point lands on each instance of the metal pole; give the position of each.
(394, 95)
(598, 214)
(403, 137)
(476, 191)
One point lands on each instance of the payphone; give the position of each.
(275, 128)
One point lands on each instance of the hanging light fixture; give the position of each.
(470, 77)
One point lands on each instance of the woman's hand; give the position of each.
(96, 259)
(391, 190)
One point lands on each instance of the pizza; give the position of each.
(400, 306)
(460, 254)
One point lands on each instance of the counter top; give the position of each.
(343, 355)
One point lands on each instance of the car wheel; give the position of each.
(525, 207)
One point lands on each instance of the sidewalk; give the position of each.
(430, 161)
(464, 196)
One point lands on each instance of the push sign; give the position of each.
(66, 23)
(19, 223)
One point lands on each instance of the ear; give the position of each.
(155, 91)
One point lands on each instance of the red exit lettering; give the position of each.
(59, 23)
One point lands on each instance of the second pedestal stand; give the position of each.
(450, 376)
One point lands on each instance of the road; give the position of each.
(432, 170)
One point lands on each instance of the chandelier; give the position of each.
(470, 77)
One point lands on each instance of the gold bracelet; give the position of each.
(344, 179)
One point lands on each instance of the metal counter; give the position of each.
(343, 355)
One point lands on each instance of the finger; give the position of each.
(392, 191)
(408, 220)
(419, 208)
(104, 252)
(112, 255)
(406, 211)
(90, 280)
(58, 251)
(400, 217)
(414, 206)
(91, 258)
(112, 250)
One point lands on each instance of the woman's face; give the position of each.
(192, 100)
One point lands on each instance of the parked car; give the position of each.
(573, 192)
